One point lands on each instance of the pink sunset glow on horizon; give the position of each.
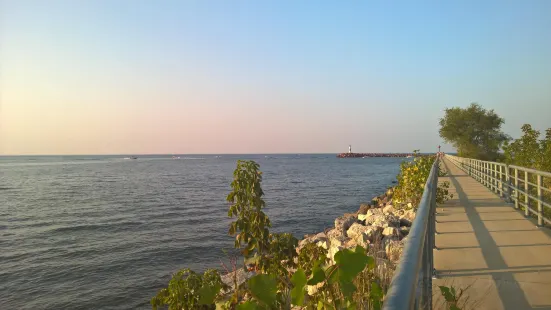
(81, 77)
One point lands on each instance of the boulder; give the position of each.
(319, 239)
(363, 208)
(404, 230)
(342, 223)
(323, 244)
(391, 231)
(406, 219)
(364, 235)
(385, 220)
(394, 250)
(336, 237)
(388, 209)
(313, 289)
(242, 277)
(351, 244)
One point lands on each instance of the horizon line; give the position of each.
(150, 154)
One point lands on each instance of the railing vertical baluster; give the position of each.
(508, 180)
(526, 198)
(496, 179)
(488, 184)
(517, 196)
(540, 199)
(500, 180)
(487, 179)
(484, 174)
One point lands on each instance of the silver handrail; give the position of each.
(510, 182)
(411, 286)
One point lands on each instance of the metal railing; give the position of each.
(523, 186)
(411, 286)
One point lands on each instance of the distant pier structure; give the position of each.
(364, 155)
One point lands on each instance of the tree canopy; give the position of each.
(529, 151)
(474, 131)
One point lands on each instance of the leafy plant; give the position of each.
(528, 151)
(189, 290)
(251, 226)
(281, 255)
(412, 179)
(339, 278)
(309, 255)
(451, 297)
(350, 283)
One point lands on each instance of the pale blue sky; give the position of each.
(263, 76)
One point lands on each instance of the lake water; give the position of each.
(104, 232)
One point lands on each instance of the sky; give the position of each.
(232, 76)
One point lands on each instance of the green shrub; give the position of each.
(189, 290)
(350, 283)
(251, 226)
(412, 179)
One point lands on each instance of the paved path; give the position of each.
(486, 244)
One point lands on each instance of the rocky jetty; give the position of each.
(378, 226)
(362, 155)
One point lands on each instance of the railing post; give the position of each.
(508, 180)
(517, 196)
(483, 173)
(478, 171)
(488, 175)
(540, 203)
(495, 179)
(486, 179)
(526, 198)
(501, 193)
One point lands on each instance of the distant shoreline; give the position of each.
(362, 155)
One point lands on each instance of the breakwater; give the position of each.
(362, 155)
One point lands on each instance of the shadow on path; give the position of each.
(491, 253)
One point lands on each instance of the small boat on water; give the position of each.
(175, 157)
(133, 157)
(409, 156)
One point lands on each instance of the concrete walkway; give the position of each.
(486, 246)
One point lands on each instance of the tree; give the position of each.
(474, 131)
(528, 151)
(524, 151)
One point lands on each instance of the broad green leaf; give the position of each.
(248, 305)
(447, 294)
(207, 294)
(454, 307)
(297, 293)
(347, 288)
(317, 276)
(332, 274)
(376, 296)
(350, 305)
(264, 288)
(350, 264)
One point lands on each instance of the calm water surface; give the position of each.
(104, 232)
